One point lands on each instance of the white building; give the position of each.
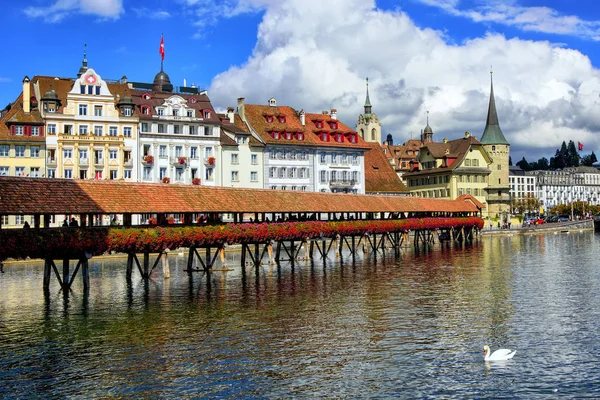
(179, 134)
(308, 152)
(567, 185)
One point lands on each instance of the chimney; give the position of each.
(333, 113)
(230, 114)
(445, 140)
(124, 79)
(325, 112)
(26, 95)
(302, 117)
(184, 82)
(467, 134)
(240, 108)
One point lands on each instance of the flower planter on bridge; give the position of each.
(75, 242)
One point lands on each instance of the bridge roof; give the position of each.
(27, 196)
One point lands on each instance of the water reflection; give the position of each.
(411, 326)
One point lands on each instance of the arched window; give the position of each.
(373, 132)
(362, 133)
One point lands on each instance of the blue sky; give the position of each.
(420, 55)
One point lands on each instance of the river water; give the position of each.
(412, 327)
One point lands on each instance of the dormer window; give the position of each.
(269, 118)
(319, 124)
(206, 114)
(288, 135)
(275, 135)
(192, 100)
(175, 112)
(146, 96)
(339, 138)
(190, 113)
(324, 136)
(145, 110)
(281, 119)
(300, 135)
(333, 125)
(127, 111)
(160, 111)
(352, 138)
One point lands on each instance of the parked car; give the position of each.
(552, 218)
(563, 218)
(529, 221)
(539, 221)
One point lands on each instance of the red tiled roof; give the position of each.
(16, 115)
(69, 196)
(256, 118)
(380, 176)
(468, 197)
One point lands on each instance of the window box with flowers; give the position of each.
(181, 161)
(210, 162)
(166, 179)
(152, 221)
(148, 159)
(196, 181)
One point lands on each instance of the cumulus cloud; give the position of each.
(319, 60)
(508, 12)
(61, 9)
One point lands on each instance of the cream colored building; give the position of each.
(450, 169)
(242, 155)
(91, 127)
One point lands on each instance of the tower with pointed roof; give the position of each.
(427, 134)
(498, 148)
(368, 126)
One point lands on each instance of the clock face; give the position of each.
(90, 79)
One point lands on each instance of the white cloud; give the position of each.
(508, 12)
(152, 14)
(110, 9)
(319, 60)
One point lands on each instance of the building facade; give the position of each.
(303, 151)
(179, 134)
(450, 169)
(567, 186)
(368, 126)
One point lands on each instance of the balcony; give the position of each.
(209, 162)
(51, 160)
(83, 161)
(342, 183)
(179, 162)
(99, 161)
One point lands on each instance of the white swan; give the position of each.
(498, 355)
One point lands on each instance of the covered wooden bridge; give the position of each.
(201, 217)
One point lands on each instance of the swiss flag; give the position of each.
(580, 146)
(161, 50)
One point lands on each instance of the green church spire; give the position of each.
(492, 134)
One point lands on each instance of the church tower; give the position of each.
(368, 126)
(496, 145)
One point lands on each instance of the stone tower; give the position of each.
(496, 145)
(368, 126)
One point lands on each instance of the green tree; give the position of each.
(524, 165)
(559, 161)
(572, 155)
(509, 161)
(589, 160)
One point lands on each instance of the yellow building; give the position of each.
(91, 126)
(450, 169)
(22, 142)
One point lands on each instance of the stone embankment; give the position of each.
(571, 226)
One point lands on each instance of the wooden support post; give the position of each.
(190, 262)
(65, 278)
(146, 273)
(47, 273)
(165, 265)
(243, 258)
(85, 274)
(129, 266)
(208, 263)
(256, 255)
(278, 252)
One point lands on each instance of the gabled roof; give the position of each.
(16, 115)
(256, 117)
(380, 176)
(158, 99)
(457, 150)
(77, 196)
